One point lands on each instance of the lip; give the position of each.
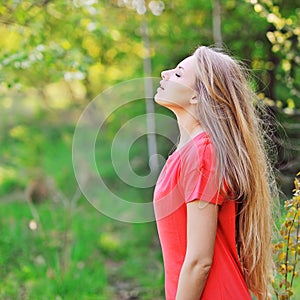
(161, 86)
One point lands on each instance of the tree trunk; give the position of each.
(217, 22)
(152, 146)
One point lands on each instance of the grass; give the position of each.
(74, 252)
(93, 258)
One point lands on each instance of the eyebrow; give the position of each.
(180, 67)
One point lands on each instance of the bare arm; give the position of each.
(201, 233)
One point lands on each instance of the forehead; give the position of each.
(187, 63)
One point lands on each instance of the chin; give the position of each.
(161, 101)
(157, 98)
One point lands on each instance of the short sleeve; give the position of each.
(198, 177)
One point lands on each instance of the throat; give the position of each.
(188, 135)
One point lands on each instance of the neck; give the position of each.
(189, 127)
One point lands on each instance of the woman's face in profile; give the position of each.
(177, 85)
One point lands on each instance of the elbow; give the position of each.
(201, 266)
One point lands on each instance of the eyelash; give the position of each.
(177, 75)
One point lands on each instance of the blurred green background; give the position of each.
(55, 57)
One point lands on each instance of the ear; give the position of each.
(194, 100)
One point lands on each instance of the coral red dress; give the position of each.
(189, 175)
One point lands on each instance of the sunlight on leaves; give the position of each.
(287, 250)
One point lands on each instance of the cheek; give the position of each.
(174, 94)
(179, 93)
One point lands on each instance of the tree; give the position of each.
(284, 35)
(217, 32)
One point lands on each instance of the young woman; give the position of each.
(212, 198)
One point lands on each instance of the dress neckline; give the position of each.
(197, 136)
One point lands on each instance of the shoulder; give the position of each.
(199, 153)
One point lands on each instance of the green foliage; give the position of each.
(82, 47)
(287, 250)
(31, 149)
(284, 36)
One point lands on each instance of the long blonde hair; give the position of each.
(227, 113)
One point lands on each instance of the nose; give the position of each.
(165, 74)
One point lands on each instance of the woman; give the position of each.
(212, 198)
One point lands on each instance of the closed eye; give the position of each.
(177, 75)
